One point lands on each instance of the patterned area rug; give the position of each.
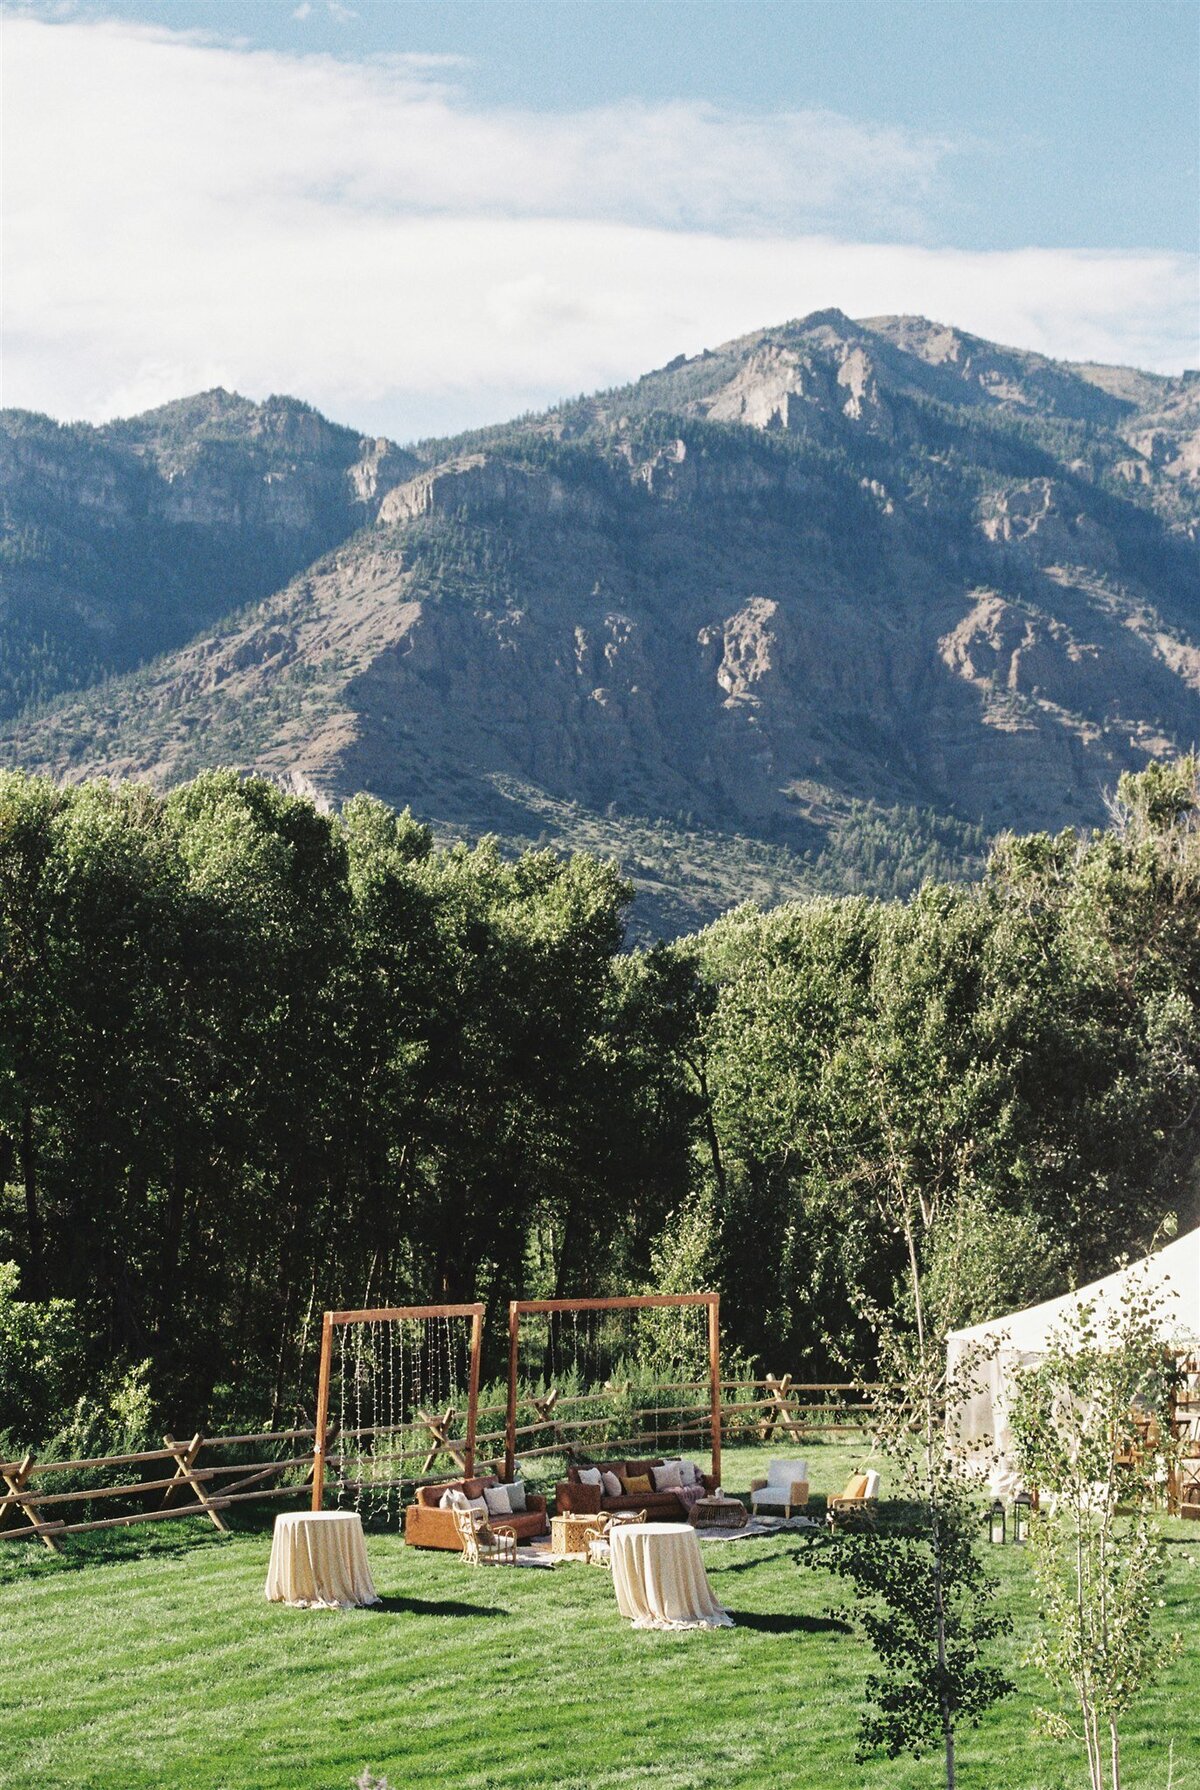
(537, 1553)
(758, 1526)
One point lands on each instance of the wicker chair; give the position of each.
(597, 1547)
(858, 1505)
(483, 1545)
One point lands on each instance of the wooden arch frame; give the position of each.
(640, 1302)
(386, 1314)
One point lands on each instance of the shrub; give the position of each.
(41, 1363)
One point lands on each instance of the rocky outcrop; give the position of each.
(1004, 646)
(379, 468)
(803, 391)
(1030, 514)
(1167, 435)
(746, 650)
(479, 482)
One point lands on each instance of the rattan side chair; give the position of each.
(483, 1544)
(597, 1546)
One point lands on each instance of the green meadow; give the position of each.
(151, 1661)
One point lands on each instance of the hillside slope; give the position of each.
(827, 565)
(118, 543)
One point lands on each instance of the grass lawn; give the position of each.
(147, 1661)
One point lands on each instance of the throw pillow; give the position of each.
(479, 1506)
(498, 1501)
(689, 1473)
(516, 1496)
(453, 1500)
(591, 1476)
(637, 1485)
(612, 1485)
(667, 1478)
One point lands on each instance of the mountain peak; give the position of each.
(830, 318)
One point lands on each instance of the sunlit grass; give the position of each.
(152, 1660)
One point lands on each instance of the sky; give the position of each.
(423, 215)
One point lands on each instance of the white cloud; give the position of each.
(181, 214)
(303, 11)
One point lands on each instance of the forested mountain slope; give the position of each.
(827, 565)
(121, 542)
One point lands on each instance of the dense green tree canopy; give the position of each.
(256, 1059)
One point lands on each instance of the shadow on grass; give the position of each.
(417, 1606)
(115, 1550)
(131, 1545)
(771, 1561)
(790, 1625)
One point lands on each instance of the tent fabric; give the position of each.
(981, 1422)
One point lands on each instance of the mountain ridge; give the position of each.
(824, 566)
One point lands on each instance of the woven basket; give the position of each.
(717, 1513)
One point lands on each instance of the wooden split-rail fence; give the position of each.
(192, 1479)
(184, 1480)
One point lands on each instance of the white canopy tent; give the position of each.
(1019, 1340)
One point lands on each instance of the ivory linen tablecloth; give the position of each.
(319, 1561)
(659, 1577)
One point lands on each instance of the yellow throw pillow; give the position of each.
(856, 1485)
(634, 1486)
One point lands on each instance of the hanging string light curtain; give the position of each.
(406, 1379)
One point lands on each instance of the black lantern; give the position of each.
(997, 1526)
(1022, 1510)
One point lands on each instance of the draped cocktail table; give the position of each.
(319, 1561)
(659, 1577)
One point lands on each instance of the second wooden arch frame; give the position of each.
(631, 1302)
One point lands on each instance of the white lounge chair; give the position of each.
(785, 1488)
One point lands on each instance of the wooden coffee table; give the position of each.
(717, 1513)
(566, 1533)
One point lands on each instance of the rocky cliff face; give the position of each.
(120, 542)
(831, 563)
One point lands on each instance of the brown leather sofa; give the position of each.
(591, 1500)
(425, 1526)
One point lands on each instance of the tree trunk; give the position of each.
(287, 1287)
(33, 1216)
(940, 1611)
(710, 1129)
(172, 1241)
(571, 1233)
(8, 1155)
(939, 1590)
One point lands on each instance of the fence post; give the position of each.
(320, 1443)
(714, 1376)
(185, 1460)
(17, 1501)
